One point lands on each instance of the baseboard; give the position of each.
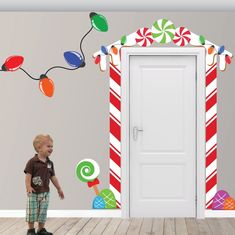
(105, 213)
(66, 213)
(220, 213)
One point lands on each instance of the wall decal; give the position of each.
(164, 31)
(182, 36)
(87, 170)
(105, 200)
(12, 63)
(98, 203)
(223, 201)
(144, 37)
(229, 204)
(109, 198)
(73, 58)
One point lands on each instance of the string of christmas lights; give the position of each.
(73, 58)
(114, 49)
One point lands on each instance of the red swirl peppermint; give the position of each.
(144, 37)
(182, 36)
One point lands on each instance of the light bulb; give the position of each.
(123, 39)
(228, 59)
(99, 22)
(211, 49)
(74, 59)
(13, 63)
(114, 50)
(46, 86)
(104, 50)
(97, 59)
(221, 50)
(202, 39)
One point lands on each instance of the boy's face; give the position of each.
(46, 148)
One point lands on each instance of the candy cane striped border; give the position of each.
(210, 125)
(211, 134)
(115, 132)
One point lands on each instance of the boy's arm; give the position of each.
(56, 183)
(29, 188)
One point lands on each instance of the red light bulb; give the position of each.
(228, 59)
(97, 59)
(46, 86)
(13, 63)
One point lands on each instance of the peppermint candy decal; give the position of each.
(144, 37)
(163, 31)
(182, 36)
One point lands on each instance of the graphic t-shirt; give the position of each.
(41, 173)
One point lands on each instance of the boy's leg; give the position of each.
(31, 212)
(40, 226)
(31, 225)
(44, 202)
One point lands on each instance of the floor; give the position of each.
(135, 226)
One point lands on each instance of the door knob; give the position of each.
(135, 132)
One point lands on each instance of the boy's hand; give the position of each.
(61, 194)
(30, 190)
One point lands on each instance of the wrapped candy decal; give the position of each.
(144, 37)
(223, 201)
(182, 36)
(163, 31)
(98, 203)
(109, 198)
(229, 204)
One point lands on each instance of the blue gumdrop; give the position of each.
(98, 203)
(73, 58)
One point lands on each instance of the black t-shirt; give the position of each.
(41, 173)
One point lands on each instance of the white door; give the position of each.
(162, 136)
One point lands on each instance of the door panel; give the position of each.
(163, 136)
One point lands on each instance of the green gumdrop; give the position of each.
(123, 39)
(109, 198)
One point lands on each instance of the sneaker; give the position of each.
(43, 231)
(31, 232)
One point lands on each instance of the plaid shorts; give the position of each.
(37, 204)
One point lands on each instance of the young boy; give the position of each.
(39, 171)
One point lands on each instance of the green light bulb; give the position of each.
(99, 22)
(123, 39)
(202, 40)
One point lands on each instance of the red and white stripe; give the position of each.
(211, 134)
(115, 132)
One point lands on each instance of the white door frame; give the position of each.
(199, 53)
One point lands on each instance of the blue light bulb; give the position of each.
(74, 59)
(221, 50)
(104, 50)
